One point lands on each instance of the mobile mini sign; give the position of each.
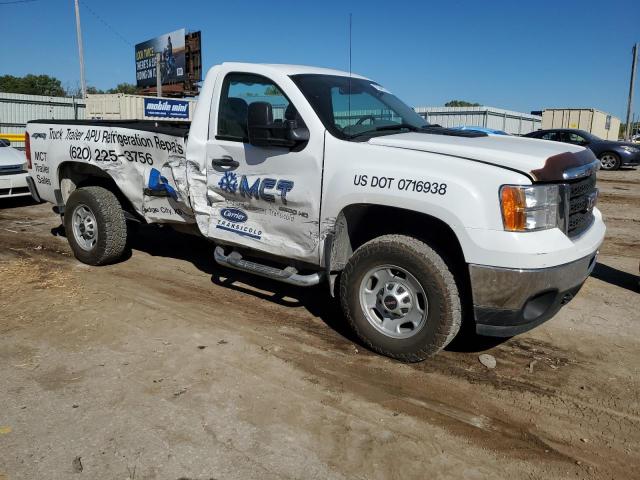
(160, 107)
(171, 47)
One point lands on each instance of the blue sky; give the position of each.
(509, 54)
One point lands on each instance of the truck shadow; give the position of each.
(16, 202)
(165, 242)
(616, 277)
(159, 241)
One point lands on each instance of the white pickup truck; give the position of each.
(309, 175)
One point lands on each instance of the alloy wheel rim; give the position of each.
(393, 301)
(85, 230)
(608, 161)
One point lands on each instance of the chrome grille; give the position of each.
(582, 196)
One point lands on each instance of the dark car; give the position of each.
(612, 154)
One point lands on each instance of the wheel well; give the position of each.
(609, 151)
(357, 224)
(74, 175)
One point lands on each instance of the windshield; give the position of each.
(355, 108)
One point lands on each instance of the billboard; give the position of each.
(160, 107)
(171, 46)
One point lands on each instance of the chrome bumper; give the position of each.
(508, 301)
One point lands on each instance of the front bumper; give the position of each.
(14, 185)
(508, 301)
(630, 159)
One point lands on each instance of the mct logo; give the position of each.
(234, 215)
(261, 188)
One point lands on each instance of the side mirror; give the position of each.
(259, 121)
(264, 132)
(296, 133)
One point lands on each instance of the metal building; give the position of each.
(17, 109)
(601, 124)
(515, 123)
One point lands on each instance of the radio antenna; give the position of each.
(350, 28)
(350, 22)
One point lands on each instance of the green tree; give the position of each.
(91, 90)
(32, 85)
(272, 91)
(127, 88)
(460, 103)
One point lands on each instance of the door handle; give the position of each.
(224, 164)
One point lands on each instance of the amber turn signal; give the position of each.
(513, 203)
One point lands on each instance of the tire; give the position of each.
(416, 265)
(103, 215)
(609, 161)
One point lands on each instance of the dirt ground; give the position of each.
(166, 366)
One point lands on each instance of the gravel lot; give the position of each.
(166, 366)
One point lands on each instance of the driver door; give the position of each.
(264, 198)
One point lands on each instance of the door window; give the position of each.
(240, 90)
(570, 137)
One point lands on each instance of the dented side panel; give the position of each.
(149, 168)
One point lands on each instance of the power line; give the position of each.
(103, 21)
(17, 1)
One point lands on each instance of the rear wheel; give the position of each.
(400, 298)
(610, 161)
(95, 225)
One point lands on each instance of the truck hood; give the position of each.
(541, 160)
(10, 156)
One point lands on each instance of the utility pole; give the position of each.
(627, 134)
(83, 84)
(158, 75)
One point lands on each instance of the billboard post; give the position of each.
(158, 75)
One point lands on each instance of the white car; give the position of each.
(13, 172)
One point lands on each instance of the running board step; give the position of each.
(288, 275)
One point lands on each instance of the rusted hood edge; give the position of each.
(556, 165)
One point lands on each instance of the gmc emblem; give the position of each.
(592, 198)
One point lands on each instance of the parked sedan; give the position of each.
(488, 131)
(612, 154)
(13, 172)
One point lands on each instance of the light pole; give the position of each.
(627, 133)
(83, 84)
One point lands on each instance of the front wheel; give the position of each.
(95, 225)
(400, 298)
(610, 161)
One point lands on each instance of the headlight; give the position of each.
(23, 166)
(630, 149)
(530, 208)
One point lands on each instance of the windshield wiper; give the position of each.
(440, 130)
(397, 126)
